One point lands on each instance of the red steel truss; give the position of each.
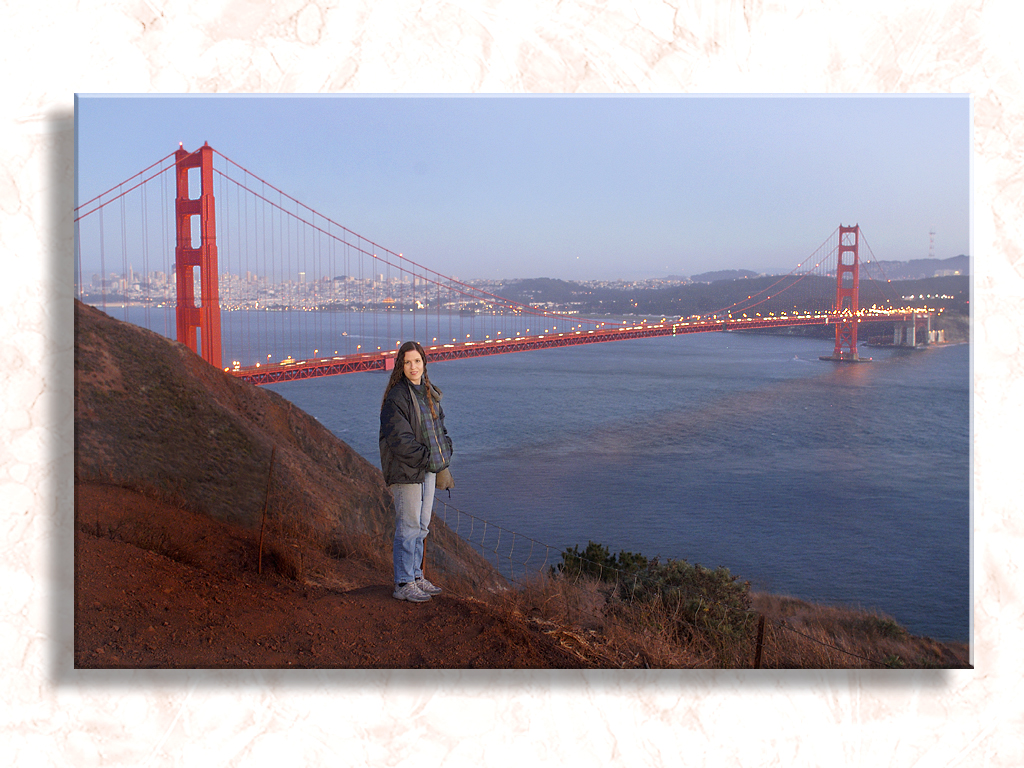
(295, 370)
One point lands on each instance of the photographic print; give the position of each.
(522, 382)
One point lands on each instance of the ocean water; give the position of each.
(836, 483)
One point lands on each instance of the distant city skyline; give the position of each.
(251, 291)
(578, 188)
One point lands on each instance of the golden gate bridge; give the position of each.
(213, 238)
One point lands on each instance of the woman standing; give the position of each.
(414, 447)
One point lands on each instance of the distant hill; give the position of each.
(944, 281)
(916, 269)
(950, 292)
(541, 289)
(722, 274)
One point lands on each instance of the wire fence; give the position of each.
(518, 557)
(514, 555)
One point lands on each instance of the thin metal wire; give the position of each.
(577, 574)
(784, 625)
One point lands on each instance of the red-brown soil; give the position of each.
(178, 466)
(158, 586)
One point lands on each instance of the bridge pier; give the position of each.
(919, 326)
(846, 357)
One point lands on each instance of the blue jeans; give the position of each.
(413, 505)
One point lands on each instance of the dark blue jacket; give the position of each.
(403, 454)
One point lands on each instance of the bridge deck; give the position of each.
(294, 370)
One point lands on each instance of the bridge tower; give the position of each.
(847, 292)
(198, 327)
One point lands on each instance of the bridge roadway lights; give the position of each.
(299, 370)
(385, 361)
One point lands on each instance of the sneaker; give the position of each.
(409, 591)
(426, 587)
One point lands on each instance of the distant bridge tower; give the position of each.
(197, 323)
(847, 292)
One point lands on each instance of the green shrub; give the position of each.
(692, 595)
(597, 561)
(695, 595)
(886, 627)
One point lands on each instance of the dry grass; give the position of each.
(803, 635)
(588, 617)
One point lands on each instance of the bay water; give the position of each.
(836, 483)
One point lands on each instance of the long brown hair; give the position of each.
(398, 373)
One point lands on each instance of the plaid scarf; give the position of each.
(430, 429)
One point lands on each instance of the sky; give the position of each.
(578, 187)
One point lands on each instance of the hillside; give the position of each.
(919, 269)
(716, 293)
(172, 459)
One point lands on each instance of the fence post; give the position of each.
(266, 501)
(760, 642)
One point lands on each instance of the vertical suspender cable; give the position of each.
(146, 294)
(165, 212)
(124, 260)
(103, 264)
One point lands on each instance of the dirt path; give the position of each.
(157, 586)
